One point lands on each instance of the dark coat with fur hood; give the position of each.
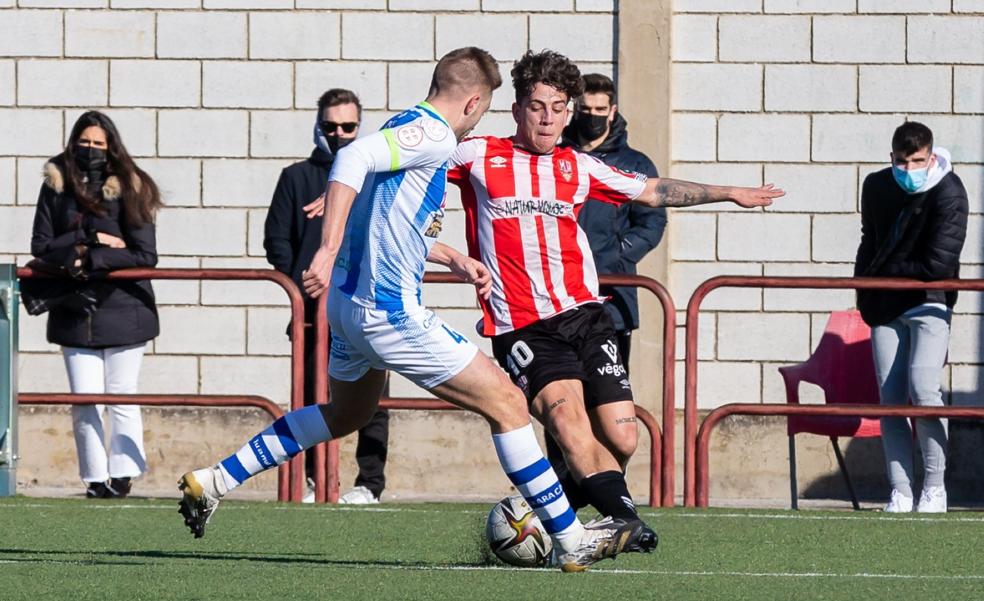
(125, 315)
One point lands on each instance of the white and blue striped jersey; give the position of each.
(401, 175)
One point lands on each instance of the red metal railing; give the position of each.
(661, 481)
(168, 400)
(296, 467)
(715, 416)
(690, 366)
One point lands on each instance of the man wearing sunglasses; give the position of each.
(292, 236)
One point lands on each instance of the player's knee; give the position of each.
(507, 410)
(624, 445)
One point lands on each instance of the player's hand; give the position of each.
(315, 208)
(318, 275)
(756, 197)
(473, 272)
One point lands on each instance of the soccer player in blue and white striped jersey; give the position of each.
(384, 207)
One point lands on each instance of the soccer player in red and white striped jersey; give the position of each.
(521, 197)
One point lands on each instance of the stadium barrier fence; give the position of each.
(716, 415)
(695, 456)
(661, 477)
(168, 400)
(290, 485)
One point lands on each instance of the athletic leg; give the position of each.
(484, 389)
(615, 425)
(560, 407)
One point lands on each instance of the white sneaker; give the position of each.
(201, 490)
(360, 495)
(898, 503)
(932, 500)
(309, 495)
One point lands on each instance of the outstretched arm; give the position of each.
(665, 192)
(463, 266)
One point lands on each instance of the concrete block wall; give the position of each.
(214, 98)
(806, 95)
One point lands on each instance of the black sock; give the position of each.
(575, 496)
(609, 494)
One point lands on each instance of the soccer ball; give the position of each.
(516, 535)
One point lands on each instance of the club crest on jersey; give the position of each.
(498, 162)
(435, 130)
(409, 136)
(566, 169)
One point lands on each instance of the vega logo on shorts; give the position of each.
(611, 349)
(614, 368)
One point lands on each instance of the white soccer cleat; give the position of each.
(201, 490)
(932, 500)
(898, 503)
(360, 495)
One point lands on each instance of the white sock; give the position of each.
(289, 435)
(534, 478)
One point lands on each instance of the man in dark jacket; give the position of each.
(913, 225)
(620, 235)
(293, 235)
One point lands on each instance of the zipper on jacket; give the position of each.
(88, 327)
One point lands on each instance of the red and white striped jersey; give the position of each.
(521, 222)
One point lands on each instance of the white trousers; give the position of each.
(111, 370)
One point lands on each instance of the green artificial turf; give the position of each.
(139, 549)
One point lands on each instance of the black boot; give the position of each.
(119, 488)
(97, 490)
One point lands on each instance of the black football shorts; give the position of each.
(578, 344)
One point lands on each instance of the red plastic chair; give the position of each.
(842, 365)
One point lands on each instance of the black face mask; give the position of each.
(590, 127)
(90, 159)
(334, 143)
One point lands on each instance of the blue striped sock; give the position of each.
(531, 474)
(289, 435)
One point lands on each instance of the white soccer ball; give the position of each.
(516, 535)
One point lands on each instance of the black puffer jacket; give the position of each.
(290, 238)
(925, 244)
(127, 314)
(620, 236)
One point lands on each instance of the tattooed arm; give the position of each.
(664, 192)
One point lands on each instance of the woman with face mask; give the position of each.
(95, 213)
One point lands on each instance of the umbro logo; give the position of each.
(499, 162)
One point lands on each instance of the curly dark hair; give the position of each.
(546, 67)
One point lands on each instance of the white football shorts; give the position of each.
(414, 343)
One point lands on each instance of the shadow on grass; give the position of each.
(144, 557)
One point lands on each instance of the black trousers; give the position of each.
(370, 450)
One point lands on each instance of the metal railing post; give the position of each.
(9, 303)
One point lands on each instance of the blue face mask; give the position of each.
(911, 180)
